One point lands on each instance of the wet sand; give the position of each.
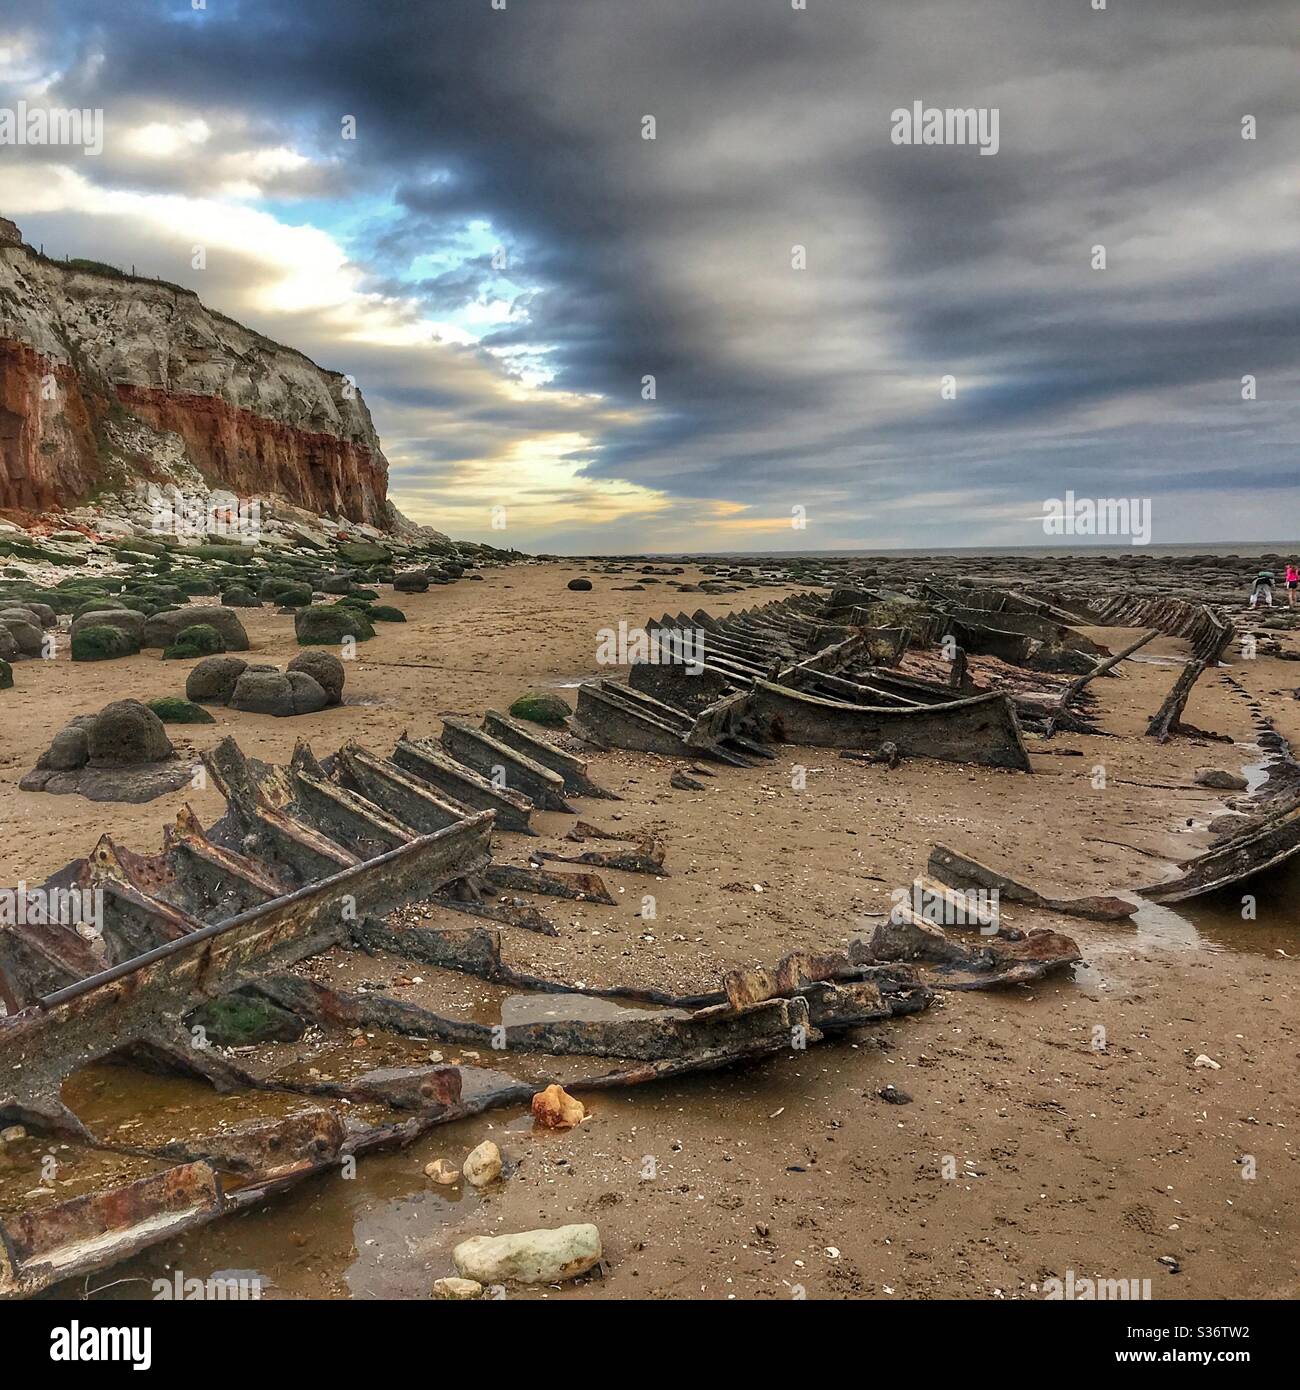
(793, 1177)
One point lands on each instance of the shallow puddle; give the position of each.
(385, 1232)
(1214, 923)
(38, 1171)
(388, 1232)
(126, 1105)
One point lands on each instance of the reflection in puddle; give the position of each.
(1253, 918)
(1214, 924)
(402, 1245)
(1256, 774)
(387, 1233)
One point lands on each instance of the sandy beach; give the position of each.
(1061, 1126)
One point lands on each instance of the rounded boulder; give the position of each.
(326, 625)
(541, 707)
(212, 680)
(27, 635)
(279, 693)
(70, 749)
(99, 643)
(127, 732)
(163, 628)
(263, 692)
(126, 619)
(325, 669)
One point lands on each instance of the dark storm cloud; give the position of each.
(672, 257)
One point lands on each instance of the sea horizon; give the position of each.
(1219, 548)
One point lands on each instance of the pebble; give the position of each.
(457, 1290)
(530, 1257)
(483, 1166)
(445, 1174)
(555, 1108)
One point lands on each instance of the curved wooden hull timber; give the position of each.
(1208, 632)
(1257, 851)
(306, 863)
(981, 729)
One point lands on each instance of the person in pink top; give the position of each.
(1292, 583)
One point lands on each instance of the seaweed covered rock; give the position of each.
(239, 596)
(199, 640)
(294, 596)
(541, 707)
(171, 709)
(68, 600)
(325, 669)
(127, 732)
(385, 613)
(197, 588)
(580, 585)
(411, 582)
(102, 643)
(120, 754)
(212, 681)
(325, 625)
(233, 554)
(365, 553)
(99, 603)
(162, 629)
(242, 1019)
(127, 619)
(270, 589)
(158, 595)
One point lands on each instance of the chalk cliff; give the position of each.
(107, 379)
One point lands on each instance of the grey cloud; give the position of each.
(672, 258)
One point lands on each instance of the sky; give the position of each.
(773, 326)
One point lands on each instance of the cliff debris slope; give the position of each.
(110, 380)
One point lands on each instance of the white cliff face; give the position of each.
(79, 347)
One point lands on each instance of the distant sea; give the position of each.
(1243, 548)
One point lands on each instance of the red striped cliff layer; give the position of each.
(253, 455)
(48, 452)
(106, 379)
